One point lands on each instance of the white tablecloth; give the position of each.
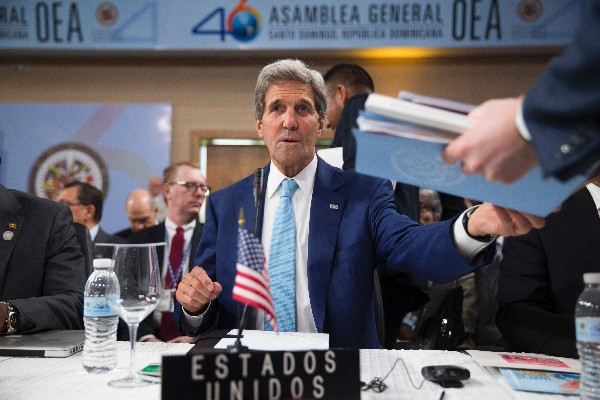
(65, 378)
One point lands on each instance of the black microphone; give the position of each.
(257, 189)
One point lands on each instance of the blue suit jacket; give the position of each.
(562, 109)
(353, 224)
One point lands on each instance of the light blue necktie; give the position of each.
(282, 257)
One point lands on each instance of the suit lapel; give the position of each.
(10, 227)
(326, 211)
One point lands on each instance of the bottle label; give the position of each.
(587, 329)
(97, 307)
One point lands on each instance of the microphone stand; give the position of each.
(257, 191)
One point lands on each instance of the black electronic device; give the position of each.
(446, 375)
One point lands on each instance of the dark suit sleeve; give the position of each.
(525, 317)
(60, 305)
(561, 110)
(206, 258)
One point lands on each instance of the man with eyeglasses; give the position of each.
(140, 211)
(85, 202)
(184, 190)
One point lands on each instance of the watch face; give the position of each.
(64, 163)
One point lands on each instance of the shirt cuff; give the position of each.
(192, 322)
(467, 247)
(520, 124)
(146, 337)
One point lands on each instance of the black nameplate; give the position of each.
(258, 375)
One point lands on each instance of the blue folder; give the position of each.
(418, 162)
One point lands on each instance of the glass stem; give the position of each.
(133, 328)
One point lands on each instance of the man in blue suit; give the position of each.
(556, 123)
(345, 223)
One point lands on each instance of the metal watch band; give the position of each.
(12, 318)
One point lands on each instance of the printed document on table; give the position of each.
(282, 341)
(529, 380)
(405, 380)
(525, 361)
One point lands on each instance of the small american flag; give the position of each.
(252, 279)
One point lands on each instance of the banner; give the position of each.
(284, 24)
(115, 147)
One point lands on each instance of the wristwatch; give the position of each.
(465, 222)
(13, 318)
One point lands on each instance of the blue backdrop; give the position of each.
(133, 141)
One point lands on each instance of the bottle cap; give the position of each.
(591, 277)
(105, 263)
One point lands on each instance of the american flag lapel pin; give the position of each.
(333, 206)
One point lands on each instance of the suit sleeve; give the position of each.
(524, 315)
(562, 109)
(60, 305)
(206, 258)
(404, 245)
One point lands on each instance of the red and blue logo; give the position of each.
(243, 23)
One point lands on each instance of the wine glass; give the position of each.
(134, 295)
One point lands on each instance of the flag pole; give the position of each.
(237, 347)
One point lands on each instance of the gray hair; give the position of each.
(433, 199)
(284, 71)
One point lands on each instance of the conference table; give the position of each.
(25, 378)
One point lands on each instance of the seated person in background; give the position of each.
(86, 203)
(140, 211)
(541, 277)
(345, 224)
(430, 207)
(42, 272)
(184, 190)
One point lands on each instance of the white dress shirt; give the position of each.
(94, 231)
(595, 192)
(301, 199)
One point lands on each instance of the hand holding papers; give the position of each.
(403, 141)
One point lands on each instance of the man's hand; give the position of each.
(196, 290)
(493, 146)
(490, 219)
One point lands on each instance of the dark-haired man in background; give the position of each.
(85, 202)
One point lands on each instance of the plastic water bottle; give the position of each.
(100, 346)
(587, 328)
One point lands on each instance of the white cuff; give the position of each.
(192, 322)
(520, 124)
(467, 247)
